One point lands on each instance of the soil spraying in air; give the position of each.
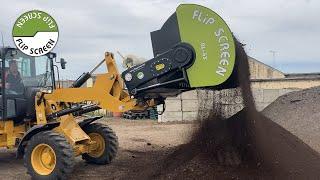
(247, 145)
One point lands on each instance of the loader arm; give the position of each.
(107, 91)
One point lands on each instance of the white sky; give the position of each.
(88, 29)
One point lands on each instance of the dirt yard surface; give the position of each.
(144, 147)
(141, 144)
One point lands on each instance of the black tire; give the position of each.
(63, 154)
(110, 140)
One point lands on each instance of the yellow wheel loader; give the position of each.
(47, 124)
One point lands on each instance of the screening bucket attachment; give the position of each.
(194, 49)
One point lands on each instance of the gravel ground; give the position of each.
(299, 113)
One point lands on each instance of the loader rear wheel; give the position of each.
(48, 155)
(106, 142)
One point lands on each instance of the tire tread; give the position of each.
(111, 141)
(64, 154)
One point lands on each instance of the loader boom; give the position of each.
(107, 91)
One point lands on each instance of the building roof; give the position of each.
(303, 75)
(270, 67)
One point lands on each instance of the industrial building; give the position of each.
(267, 85)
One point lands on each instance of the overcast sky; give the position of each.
(87, 30)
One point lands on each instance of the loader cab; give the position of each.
(21, 77)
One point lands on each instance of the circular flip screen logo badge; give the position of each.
(35, 33)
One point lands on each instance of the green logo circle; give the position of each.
(35, 33)
(140, 75)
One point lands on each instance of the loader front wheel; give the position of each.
(106, 144)
(48, 155)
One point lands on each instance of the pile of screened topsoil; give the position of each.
(244, 146)
(299, 113)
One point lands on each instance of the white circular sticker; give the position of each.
(128, 77)
(35, 33)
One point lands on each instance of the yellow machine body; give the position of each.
(107, 92)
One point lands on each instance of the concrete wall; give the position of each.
(181, 108)
(231, 102)
(196, 105)
(288, 83)
(226, 102)
(264, 97)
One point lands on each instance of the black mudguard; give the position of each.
(30, 133)
(39, 128)
(88, 121)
